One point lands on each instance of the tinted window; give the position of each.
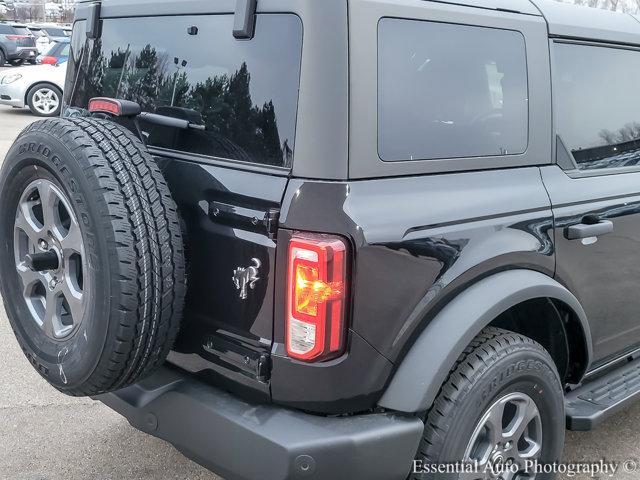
(59, 49)
(5, 29)
(597, 104)
(55, 32)
(244, 93)
(21, 30)
(448, 91)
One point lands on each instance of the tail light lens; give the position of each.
(49, 60)
(105, 105)
(16, 37)
(316, 297)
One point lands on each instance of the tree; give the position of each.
(626, 6)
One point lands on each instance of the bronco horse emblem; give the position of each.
(244, 278)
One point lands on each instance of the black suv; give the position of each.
(348, 239)
(17, 44)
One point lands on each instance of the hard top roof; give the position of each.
(577, 21)
(563, 19)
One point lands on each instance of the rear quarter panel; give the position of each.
(419, 240)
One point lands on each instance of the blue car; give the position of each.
(57, 53)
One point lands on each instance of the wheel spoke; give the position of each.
(49, 200)
(479, 475)
(50, 314)
(74, 300)
(525, 413)
(532, 452)
(494, 423)
(28, 277)
(72, 241)
(25, 222)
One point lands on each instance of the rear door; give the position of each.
(228, 176)
(596, 194)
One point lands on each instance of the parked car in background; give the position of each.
(17, 44)
(56, 53)
(39, 87)
(42, 41)
(45, 35)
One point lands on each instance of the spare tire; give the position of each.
(91, 260)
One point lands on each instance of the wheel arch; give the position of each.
(424, 369)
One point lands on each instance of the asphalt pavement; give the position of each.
(45, 435)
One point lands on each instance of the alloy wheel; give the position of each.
(50, 259)
(45, 101)
(507, 436)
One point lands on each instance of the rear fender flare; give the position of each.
(425, 368)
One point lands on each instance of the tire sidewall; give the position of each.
(32, 92)
(527, 371)
(69, 362)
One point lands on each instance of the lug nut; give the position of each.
(44, 245)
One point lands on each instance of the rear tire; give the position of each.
(3, 58)
(503, 400)
(45, 100)
(89, 191)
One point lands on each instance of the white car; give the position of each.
(38, 87)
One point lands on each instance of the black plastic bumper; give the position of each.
(24, 54)
(239, 440)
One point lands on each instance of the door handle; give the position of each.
(587, 230)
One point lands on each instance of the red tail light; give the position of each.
(105, 105)
(49, 60)
(316, 297)
(16, 37)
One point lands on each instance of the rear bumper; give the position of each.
(24, 53)
(239, 440)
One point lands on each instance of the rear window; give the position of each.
(63, 50)
(450, 91)
(245, 93)
(21, 31)
(5, 29)
(55, 32)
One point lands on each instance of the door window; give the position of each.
(597, 104)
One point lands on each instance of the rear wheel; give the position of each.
(45, 100)
(91, 255)
(3, 58)
(501, 410)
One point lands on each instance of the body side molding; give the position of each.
(425, 367)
